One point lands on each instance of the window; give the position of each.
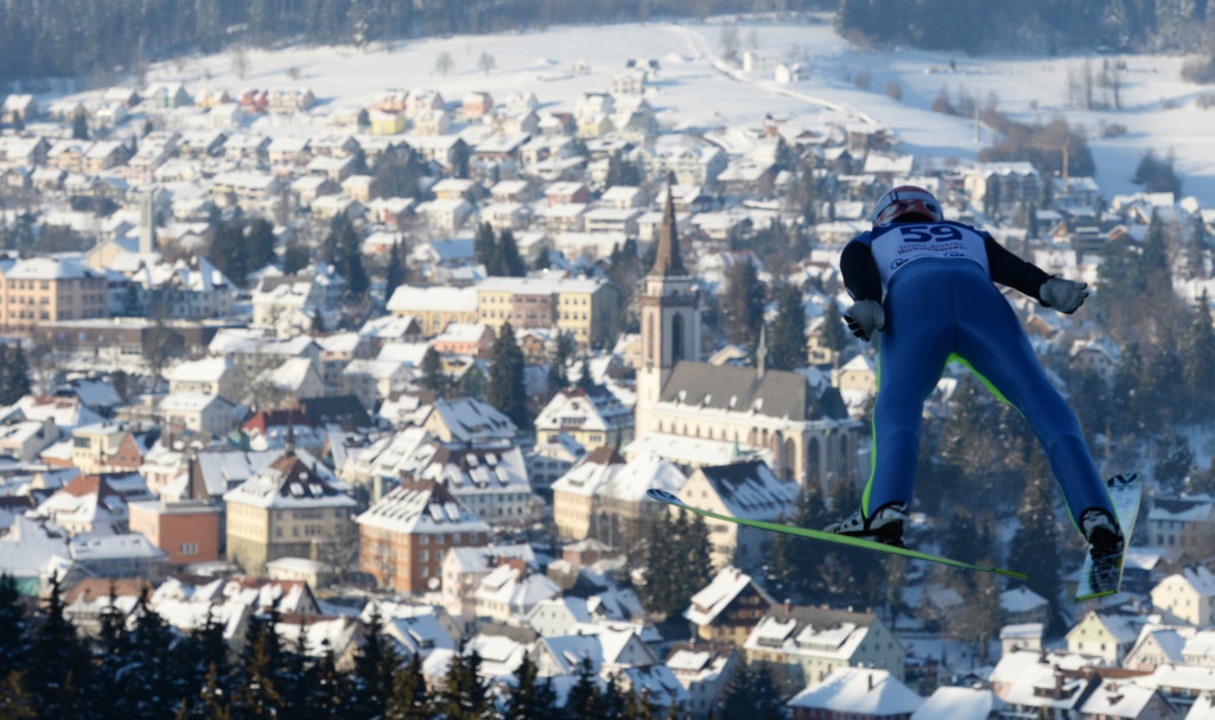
(187, 549)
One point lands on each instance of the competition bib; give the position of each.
(897, 245)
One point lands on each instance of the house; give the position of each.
(491, 481)
(1186, 597)
(188, 531)
(207, 376)
(594, 416)
(105, 448)
(725, 609)
(287, 509)
(88, 503)
(1108, 636)
(857, 694)
(960, 702)
(603, 496)
(295, 378)
(404, 536)
(744, 490)
(1181, 525)
(85, 604)
(470, 422)
(804, 645)
(463, 568)
(118, 555)
(510, 592)
(473, 339)
(207, 415)
(704, 670)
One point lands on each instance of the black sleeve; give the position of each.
(1008, 269)
(860, 272)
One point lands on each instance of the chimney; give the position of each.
(870, 676)
(788, 606)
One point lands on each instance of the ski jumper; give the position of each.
(941, 304)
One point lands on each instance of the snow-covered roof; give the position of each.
(861, 691)
(288, 482)
(417, 507)
(717, 595)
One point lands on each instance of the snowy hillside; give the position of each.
(1161, 112)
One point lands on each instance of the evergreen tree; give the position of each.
(295, 258)
(473, 383)
(14, 374)
(506, 390)
(787, 337)
(395, 275)
(260, 243)
(657, 593)
(433, 377)
(14, 643)
(410, 700)
(80, 125)
(58, 666)
(743, 304)
(1127, 396)
(583, 699)
(508, 253)
(796, 569)
(485, 249)
(697, 566)
(1198, 364)
(350, 261)
(151, 678)
(752, 694)
(465, 695)
(1037, 541)
(258, 694)
(375, 663)
(532, 697)
(835, 331)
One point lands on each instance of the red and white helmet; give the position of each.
(906, 200)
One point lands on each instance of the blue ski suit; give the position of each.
(935, 282)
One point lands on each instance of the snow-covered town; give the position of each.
(382, 347)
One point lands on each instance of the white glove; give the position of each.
(1063, 295)
(865, 318)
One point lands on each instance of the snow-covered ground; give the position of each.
(1160, 111)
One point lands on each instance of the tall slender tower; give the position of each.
(670, 319)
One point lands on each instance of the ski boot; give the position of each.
(884, 526)
(1105, 541)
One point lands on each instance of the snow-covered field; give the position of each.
(1160, 111)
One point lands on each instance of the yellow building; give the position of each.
(434, 307)
(105, 448)
(592, 416)
(387, 123)
(286, 510)
(590, 310)
(43, 289)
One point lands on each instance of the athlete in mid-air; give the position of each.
(927, 285)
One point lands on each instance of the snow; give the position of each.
(695, 91)
(854, 690)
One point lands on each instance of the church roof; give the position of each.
(667, 260)
(776, 393)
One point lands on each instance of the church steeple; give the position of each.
(667, 261)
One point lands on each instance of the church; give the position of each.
(803, 431)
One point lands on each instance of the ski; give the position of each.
(671, 499)
(1105, 578)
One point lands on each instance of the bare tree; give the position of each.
(486, 63)
(240, 62)
(444, 63)
(729, 42)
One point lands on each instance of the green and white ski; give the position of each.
(670, 499)
(1105, 578)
